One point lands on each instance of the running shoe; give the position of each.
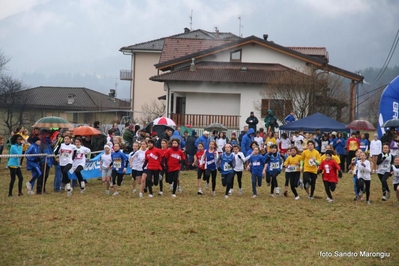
(107, 192)
(179, 189)
(173, 195)
(140, 195)
(297, 198)
(116, 193)
(226, 196)
(200, 192)
(277, 191)
(240, 191)
(29, 186)
(330, 200)
(160, 193)
(150, 196)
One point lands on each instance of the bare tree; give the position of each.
(152, 110)
(13, 104)
(305, 92)
(3, 61)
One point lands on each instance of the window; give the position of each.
(280, 108)
(235, 56)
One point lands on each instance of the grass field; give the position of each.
(98, 229)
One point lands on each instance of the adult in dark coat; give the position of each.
(252, 121)
(98, 141)
(191, 150)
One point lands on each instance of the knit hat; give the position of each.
(106, 146)
(193, 133)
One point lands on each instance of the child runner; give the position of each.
(66, 151)
(309, 162)
(209, 158)
(375, 150)
(79, 162)
(200, 167)
(363, 176)
(285, 143)
(174, 156)
(226, 163)
(240, 159)
(136, 161)
(33, 163)
(152, 166)
(259, 140)
(395, 177)
(329, 168)
(106, 167)
(274, 163)
(292, 166)
(164, 149)
(14, 163)
(297, 141)
(384, 162)
(354, 172)
(119, 164)
(257, 167)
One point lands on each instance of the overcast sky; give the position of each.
(51, 36)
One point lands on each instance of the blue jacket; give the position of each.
(246, 141)
(176, 135)
(257, 163)
(339, 147)
(46, 148)
(119, 160)
(15, 161)
(33, 162)
(204, 140)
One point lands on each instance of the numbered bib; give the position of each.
(227, 167)
(117, 164)
(274, 166)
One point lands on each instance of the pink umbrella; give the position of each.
(164, 121)
(360, 125)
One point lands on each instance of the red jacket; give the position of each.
(330, 169)
(153, 157)
(173, 158)
(348, 146)
(199, 156)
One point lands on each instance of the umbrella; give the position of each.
(391, 123)
(216, 126)
(360, 125)
(52, 122)
(164, 121)
(148, 127)
(86, 131)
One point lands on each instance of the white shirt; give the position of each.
(138, 159)
(220, 142)
(375, 147)
(395, 176)
(298, 141)
(385, 166)
(80, 156)
(363, 171)
(239, 162)
(285, 143)
(259, 140)
(106, 160)
(66, 152)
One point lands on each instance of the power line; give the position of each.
(388, 59)
(373, 90)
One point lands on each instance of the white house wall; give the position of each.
(223, 99)
(259, 54)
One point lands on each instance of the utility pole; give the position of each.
(191, 20)
(239, 27)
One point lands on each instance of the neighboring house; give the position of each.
(75, 104)
(145, 55)
(221, 83)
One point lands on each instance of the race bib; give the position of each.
(256, 163)
(274, 166)
(117, 164)
(312, 162)
(293, 168)
(227, 167)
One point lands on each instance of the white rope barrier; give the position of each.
(38, 154)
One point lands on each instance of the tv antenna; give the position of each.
(191, 20)
(239, 27)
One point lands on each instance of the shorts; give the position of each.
(136, 173)
(106, 173)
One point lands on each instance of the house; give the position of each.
(221, 83)
(145, 55)
(78, 105)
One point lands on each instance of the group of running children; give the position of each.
(151, 166)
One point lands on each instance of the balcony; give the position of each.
(125, 75)
(201, 121)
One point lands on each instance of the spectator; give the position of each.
(98, 141)
(128, 136)
(246, 141)
(191, 150)
(166, 135)
(242, 134)
(270, 121)
(252, 121)
(290, 118)
(204, 139)
(116, 129)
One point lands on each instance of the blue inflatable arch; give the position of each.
(389, 105)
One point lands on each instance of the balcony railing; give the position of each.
(125, 75)
(201, 121)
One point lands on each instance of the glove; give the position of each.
(339, 173)
(319, 171)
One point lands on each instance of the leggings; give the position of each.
(310, 178)
(256, 179)
(161, 174)
(360, 186)
(78, 173)
(227, 181)
(174, 176)
(342, 158)
(64, 171)
(294, 179)
(208, 173)
(239, 179)
(15, 172)
(329, 186)
(36, 173)
(39, 186)
(116, 177)
(383, 178)
(272, 178)
(152, 175)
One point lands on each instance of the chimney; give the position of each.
(186, 30)
(112, 94)
(192, 66)
(71, 98)
(216, 32)
(265, 36)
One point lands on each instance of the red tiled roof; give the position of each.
(311, 51)
(177, 47)
(224, 72)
